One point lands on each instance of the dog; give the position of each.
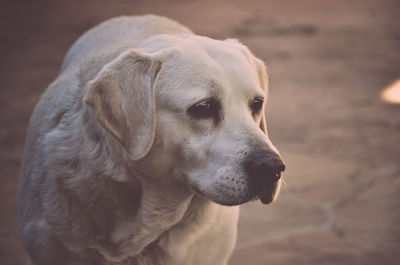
(144, 146)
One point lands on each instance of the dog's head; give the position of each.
(192, 109)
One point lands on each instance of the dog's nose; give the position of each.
(264, 168)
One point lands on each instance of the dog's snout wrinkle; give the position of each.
(264, 168)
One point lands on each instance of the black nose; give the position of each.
(264, 168)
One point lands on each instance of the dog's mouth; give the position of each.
(269, 193)
(266, 194)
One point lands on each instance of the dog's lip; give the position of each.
(198, 191)
(267, 195)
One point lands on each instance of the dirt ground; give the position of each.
(328, 61)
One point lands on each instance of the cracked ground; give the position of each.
(328, 62)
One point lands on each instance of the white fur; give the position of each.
(115, 171)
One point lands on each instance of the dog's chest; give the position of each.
(206, 237)
(205, 233)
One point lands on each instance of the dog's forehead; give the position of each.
(197, 67)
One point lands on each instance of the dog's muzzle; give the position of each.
(264, 170)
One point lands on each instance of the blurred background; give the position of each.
(328, 61)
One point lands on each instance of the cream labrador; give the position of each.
(142, 148)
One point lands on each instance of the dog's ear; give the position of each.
(263, 79)
(122, 98)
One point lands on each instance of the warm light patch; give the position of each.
(392, 93)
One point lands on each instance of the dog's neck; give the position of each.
(154, 223)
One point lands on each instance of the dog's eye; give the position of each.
(256, 105)
(205, 109)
